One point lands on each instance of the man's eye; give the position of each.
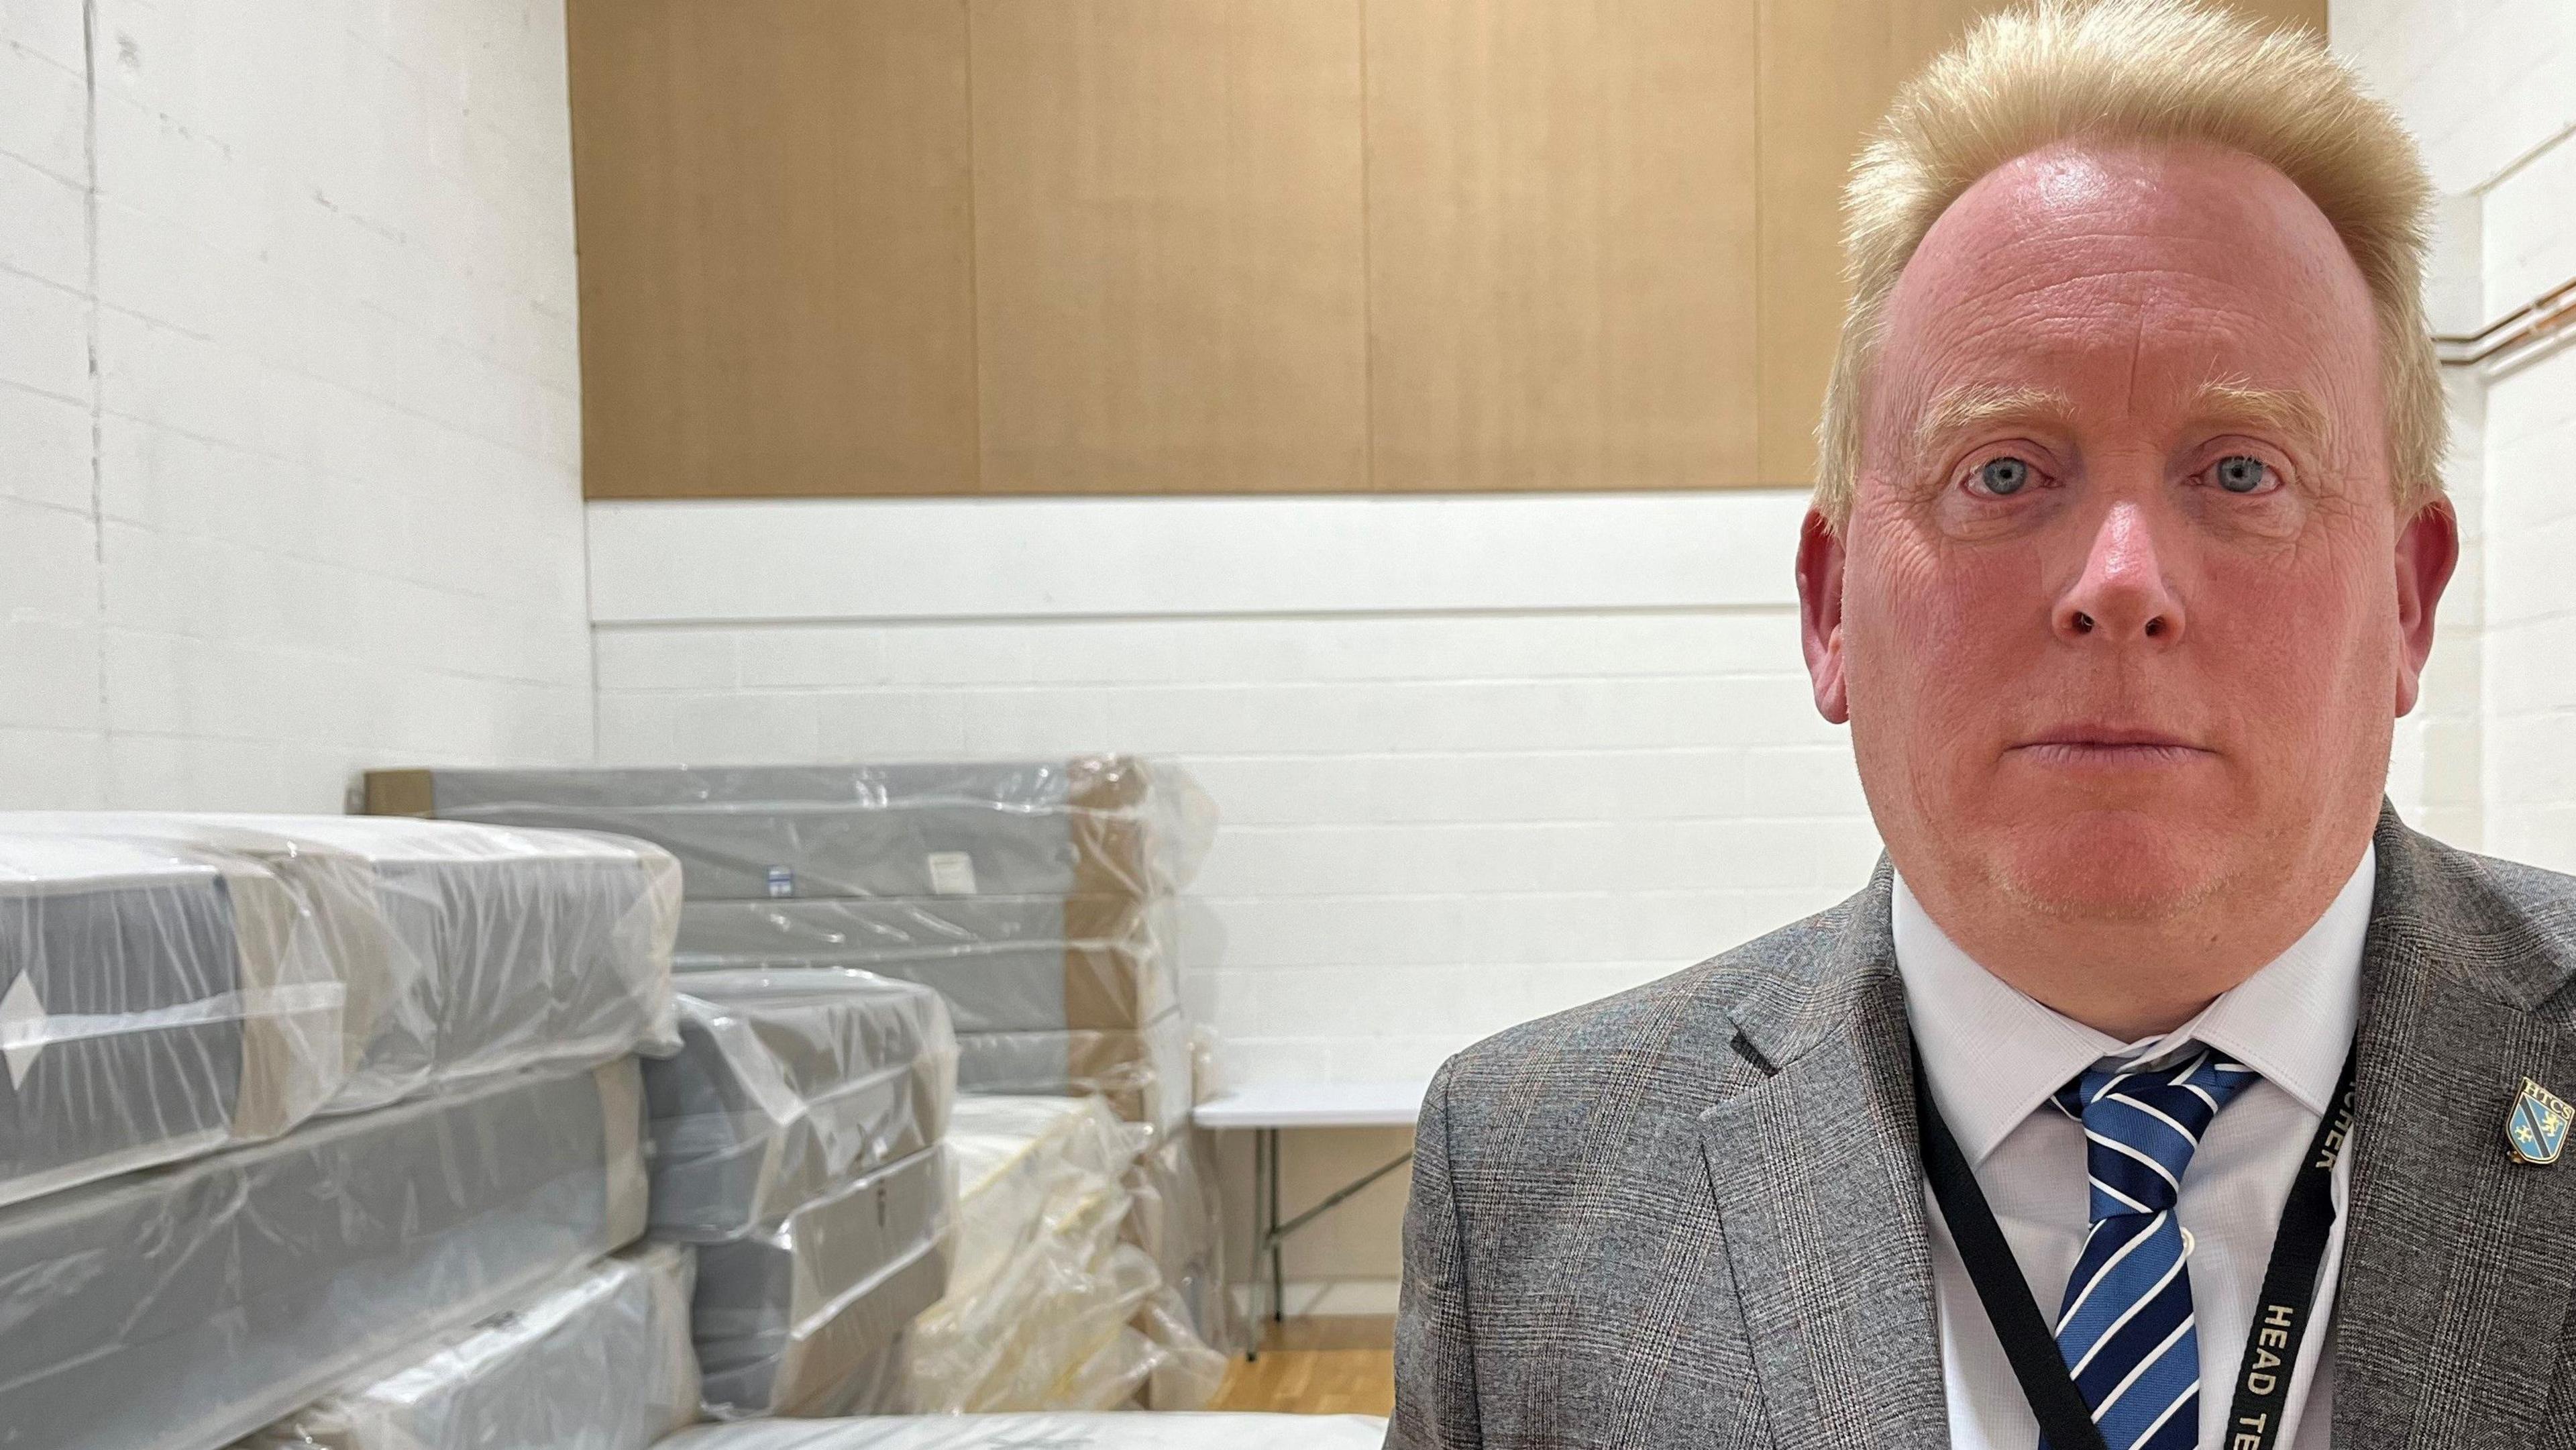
(2003, 477)
(2240, 474)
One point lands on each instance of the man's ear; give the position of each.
(2428, 549)
(1820, 614)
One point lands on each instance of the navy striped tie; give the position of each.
(2126, 1329)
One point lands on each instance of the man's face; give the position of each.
(2124, 609)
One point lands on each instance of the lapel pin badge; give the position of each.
(2537, 1128)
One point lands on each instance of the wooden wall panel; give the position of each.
(1142, 246)
(1169, 278)
(1561, 240)
(776, 247)
(1829, 69)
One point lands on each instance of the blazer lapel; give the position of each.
(1819, 1194)
(2457, 1258)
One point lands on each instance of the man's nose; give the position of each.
(2122, 595)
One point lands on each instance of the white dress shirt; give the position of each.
(1994, 1057)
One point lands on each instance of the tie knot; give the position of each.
(2142, 1126)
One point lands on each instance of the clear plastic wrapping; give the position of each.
(469, 950)
(1144, 1074)
(1177, 1217)
(597, 1360)
(155, 1003)
(792, 1320)
(172, 984)
(786, 1084)
(1088, 826)
(1005, 963)
(1051, 1431)
(187, 1307)
(1048, 1307)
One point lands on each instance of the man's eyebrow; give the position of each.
(1961, 409)
(2280, 410)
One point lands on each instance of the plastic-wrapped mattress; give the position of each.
(597, 1360)
(786, 1084)
(1049, 1307)
(471, 950)
(1052, 1432)
(1177, 1217)
(1144, 1074)
(1005, 963)
(155, 1003)
(1088, 826)
(795, 1319)
(187, 1306)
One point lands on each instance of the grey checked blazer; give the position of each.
(1692, 1215)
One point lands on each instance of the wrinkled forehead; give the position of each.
(2157, 269)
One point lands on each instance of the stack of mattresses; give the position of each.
(282, 1098)
(1052, 1431)
(1040, 899)
(1050, 1306)
(185, 1306)
(1036, 897)
(599, 1359)
(798, 1144)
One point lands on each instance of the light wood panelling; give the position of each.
(1170, 289)
(776, 252)
(1218, 246)
(1561, 239)
(1829, 69)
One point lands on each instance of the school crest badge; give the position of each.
(2537, 1128)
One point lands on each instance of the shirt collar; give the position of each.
(1995, 1055)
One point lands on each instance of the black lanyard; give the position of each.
(2280, 1315)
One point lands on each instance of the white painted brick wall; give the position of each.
(2491, 89)
(289, 393)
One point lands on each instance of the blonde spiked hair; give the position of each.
(2142, 71)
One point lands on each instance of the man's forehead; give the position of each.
(2183, 280)
(2073, 222)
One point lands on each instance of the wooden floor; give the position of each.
(1338, 1366)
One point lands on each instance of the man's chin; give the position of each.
(2119, 868)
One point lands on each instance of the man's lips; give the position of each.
(2110, 745)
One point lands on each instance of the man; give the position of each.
(2124, 558)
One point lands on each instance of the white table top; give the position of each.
(1315, 1105)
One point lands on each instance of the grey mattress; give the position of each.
(1177, 1216)
(472, 950)
(1107, 825)
(787, 1084)
(181, 1308)
(155, 1004)
(1005, 963)
(598, 1359)
(1146, 1074)
(787, 1319)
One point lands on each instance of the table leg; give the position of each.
(1260, 1240)
(1278, 1280)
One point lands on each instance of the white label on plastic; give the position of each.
(952, 873)
(22, 1013)
(782, 880)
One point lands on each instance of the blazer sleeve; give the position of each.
(1435, 1352)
